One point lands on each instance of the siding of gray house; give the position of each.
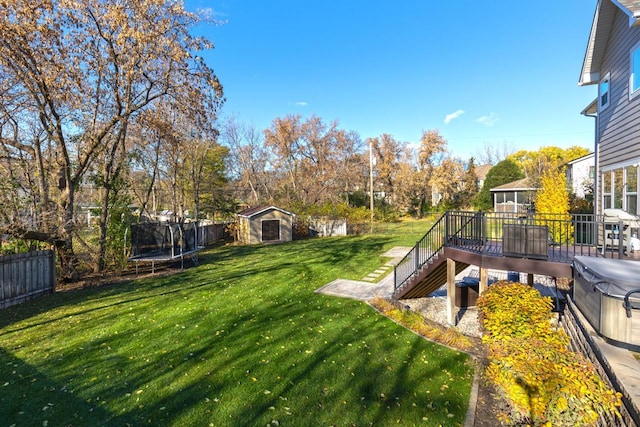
(615, 31)
(618, 124)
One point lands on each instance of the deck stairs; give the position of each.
(428, 279)
(424, 269)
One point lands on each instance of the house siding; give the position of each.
(618, 124)
(579, 176)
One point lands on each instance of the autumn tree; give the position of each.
(315, 161)
(504, 172)
(552, 205)
(535, 163)
(76, 75)
(447, 179)
(407, 183)
(431, 150)
(387, 152)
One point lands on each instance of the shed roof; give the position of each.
(523, 184)
(250, 212)
(599, 35)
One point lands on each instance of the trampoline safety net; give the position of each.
(163, 240)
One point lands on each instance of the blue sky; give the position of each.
(496, 72)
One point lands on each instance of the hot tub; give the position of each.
(607, 292)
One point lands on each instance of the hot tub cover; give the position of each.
(612, 277)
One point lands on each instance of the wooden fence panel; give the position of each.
(212, 233)
(26, 276)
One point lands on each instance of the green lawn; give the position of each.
(241, 340)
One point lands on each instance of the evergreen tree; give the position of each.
(504, 172)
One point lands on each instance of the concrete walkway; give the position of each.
(370, 286)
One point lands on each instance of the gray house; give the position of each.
(612, 62)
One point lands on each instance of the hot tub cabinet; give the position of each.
(607, 292)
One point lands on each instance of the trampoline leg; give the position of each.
(136, 268)
(153, 267)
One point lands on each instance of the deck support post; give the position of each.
(451, 291)
(530, 279)
(484, 280)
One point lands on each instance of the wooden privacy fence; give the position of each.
(211, 233)
(26, 276)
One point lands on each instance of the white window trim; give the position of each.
(632, 93)
(607, 77)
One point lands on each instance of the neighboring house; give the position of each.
(481, 174)
(514, 197)
(580, 174)
(265, 224)
(612, 61)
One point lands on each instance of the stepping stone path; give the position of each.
(381, 271)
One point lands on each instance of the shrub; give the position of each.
(544, 382)
(414, 321)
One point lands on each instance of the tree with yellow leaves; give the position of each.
(552, 205)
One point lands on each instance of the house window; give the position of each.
(604, 91)
(618, 188)
(270, 230)
(634, 74)
(606, 190)
(632, 190)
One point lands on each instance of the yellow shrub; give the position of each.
(530, 362)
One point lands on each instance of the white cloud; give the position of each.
(301, 103)
(452, 116)
(488, 119)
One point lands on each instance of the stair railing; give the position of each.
(451, 227)
(424, 250)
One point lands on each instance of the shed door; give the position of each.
(270, 230)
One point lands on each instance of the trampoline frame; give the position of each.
(175, 243)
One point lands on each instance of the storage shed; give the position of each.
(265, 224)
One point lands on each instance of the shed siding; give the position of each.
(255, 225)
(619, 127)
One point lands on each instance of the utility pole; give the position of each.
(371, 181)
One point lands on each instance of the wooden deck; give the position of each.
(558, 263)
(504, 242)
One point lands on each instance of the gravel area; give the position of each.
(435, 309)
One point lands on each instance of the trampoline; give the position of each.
(162, 242)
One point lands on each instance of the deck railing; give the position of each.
(551, 237)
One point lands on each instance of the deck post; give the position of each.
(451, 291)
(484, 280)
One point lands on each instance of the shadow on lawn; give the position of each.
(18, 409)
(184, 391)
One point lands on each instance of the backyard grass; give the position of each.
(241, 340)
